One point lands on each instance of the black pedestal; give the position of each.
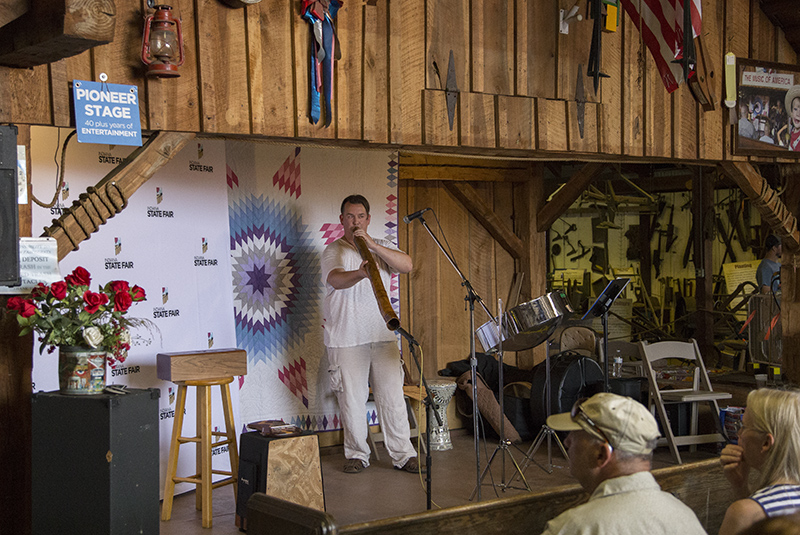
(95, 463)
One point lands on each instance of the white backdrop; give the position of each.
(226, 240)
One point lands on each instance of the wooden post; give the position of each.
(790, 292)
(534, 262)
(702, 204)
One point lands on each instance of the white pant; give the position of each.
(352, 371)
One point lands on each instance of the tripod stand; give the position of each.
(502, 447)
(545, 433)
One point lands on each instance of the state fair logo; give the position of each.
(155, 211)
(196, 166)
(168, 412)
(113, 262)
(210, 340)
(163, 312)
(201, 260)
(109, 158)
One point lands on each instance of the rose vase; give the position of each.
(81, 370)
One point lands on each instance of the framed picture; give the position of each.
(767, 109)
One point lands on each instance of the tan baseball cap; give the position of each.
(626, 423)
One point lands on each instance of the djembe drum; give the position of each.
(442, 392)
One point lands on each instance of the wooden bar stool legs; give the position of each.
(204, 444)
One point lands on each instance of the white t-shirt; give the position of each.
(352, 317)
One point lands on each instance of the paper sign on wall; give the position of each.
(107, 113)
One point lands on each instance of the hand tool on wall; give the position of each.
(596, 12)
(584, 251)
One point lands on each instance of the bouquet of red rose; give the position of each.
(69, 313)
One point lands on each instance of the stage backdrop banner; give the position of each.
(284, 205)
(172, 240)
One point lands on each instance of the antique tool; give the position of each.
(657, 253)
(689, 245)
(584, 251)
(451, 90)
(596, 12)
(672, 236)
(580, 99)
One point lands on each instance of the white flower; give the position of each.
(125, 336)
(92, 336)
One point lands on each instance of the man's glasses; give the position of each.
(578, 412)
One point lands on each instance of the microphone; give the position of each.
(411, 217)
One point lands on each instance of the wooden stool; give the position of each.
(204, 443)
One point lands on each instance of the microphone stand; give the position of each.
(430, 406)
(471, 297)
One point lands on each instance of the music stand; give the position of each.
(600, 308)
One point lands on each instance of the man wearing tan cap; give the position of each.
(610, 448)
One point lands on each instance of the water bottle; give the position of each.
(616, 367)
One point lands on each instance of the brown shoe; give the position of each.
(412, 466)
(353, 466)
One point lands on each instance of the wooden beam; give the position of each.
(55, 29)
(484, 213)
(439, 167)
(773, 211)
(567, 195)
(701, 486)
(111, 194)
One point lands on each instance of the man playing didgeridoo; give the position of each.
(362, 352)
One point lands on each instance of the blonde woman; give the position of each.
(769, 442)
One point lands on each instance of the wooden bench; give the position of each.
(700, 485)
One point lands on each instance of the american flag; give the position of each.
(661, 25)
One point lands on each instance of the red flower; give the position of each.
(40, 291)
(138, 293)
(93, 301)
(79, 277)
(24, 307)
(59, 289)
(120, 286)
(122, 301)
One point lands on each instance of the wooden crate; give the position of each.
(198, 365)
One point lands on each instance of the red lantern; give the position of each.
(162, 48)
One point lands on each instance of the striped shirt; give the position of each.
(778, 500)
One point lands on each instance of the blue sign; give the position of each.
(107, 114)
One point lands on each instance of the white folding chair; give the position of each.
(699, 391)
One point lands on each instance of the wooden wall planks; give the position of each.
(247, 73)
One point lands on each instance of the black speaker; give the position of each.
(9, 210)
(95, 463)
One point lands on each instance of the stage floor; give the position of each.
(382, 492)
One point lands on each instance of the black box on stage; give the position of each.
(633, 387)
(267, 514)
(294, 460)
(95, 463)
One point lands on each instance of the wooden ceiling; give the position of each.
(785, 14)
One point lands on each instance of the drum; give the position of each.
(572, 376)
(526, 325)
(442, 392)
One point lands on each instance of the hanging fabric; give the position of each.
(324, 50)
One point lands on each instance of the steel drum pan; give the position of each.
(526, 325)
